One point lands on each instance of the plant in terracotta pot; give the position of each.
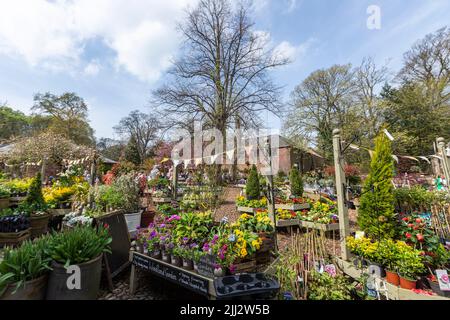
(83, 247)
(389, 259)
(24, 271)
(410, 265)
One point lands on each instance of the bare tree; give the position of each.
(428, 62)
(223, 72)
(141, 127)
(322, 102)
(368, 79)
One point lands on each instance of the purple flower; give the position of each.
(193, 245)
(232, 268)
(162, 225)
(206, 247)
(221, 256)
(152, 234)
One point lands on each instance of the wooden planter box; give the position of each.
(162, 200)
(59, 212)
(16, 200)
(320, 226)
(249, 210)
(14, 239)
(245, 266)
(293, 206)
(288, 223)
(4, 203)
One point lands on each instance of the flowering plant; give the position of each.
(284, 214)
(241, 201)
(260, 222)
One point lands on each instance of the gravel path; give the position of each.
(228, 206)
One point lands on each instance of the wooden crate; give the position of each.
(244, 266)
(14, 239)
(319, 226)
(293, 206)
(4, 203)
(246, 209)
(288, 223)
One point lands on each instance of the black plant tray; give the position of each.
(245, 285)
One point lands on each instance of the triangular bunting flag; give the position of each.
(230, 154)
(424, 159)
(410, 158)
(370, 153)
(198, 161)
(395, 158)
(214, 158)
(186, 163)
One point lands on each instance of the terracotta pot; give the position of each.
(392, 278)
(407, 284)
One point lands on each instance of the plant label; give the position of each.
(359, 235)
(444, 282)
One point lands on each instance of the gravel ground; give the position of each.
(149, 288)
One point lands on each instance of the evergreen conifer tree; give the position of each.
(376, 212)
(252, 188)
(296, 182)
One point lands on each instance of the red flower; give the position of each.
(410, 225)
(408, 235)
(406, 219)
(419, 237)
(106, 226)
(418, 220)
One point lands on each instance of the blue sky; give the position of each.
(113, 53)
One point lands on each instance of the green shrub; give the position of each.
(252, 188)
(376, 213)
(296, 183)
(35, 198)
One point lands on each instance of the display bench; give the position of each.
(394, 292)
(249, 210)
(188, 279)
(307, 224)
(292, 206)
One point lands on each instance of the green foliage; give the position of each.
(252, 188)
(132, 152)
(12, 123)
(107, 197)
(4, 191)
(128, 187)
(80, 244)
(322, 286)
(27, 262)
(376, 213)
(296, 182)
(35, 198)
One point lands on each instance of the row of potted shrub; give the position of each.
(401, 263)
(37, 269)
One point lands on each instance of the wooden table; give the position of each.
(187, 279)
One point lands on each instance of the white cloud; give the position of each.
(292, 5)
(54, 34)
(92, 69)
(287, 50)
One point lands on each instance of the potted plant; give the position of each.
(129, 188)
(186, 257)
(14, 228)
(175, 256)
(388, 253)
(83, 247)
(4, 196)
(24, 271)
(197, 254)
(410, 265)
(35, 207)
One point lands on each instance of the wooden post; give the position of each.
(175, 181)
(271, 199)
(344, 229)
(445, 161)
(43, 170)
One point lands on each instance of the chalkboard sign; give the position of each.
(173, 274)
(118, 259)
(206, 266)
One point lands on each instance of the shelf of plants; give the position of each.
(188, 240)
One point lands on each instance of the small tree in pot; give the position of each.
(296, 182)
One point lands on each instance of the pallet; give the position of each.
(288, 223)
(245, 266)
(319, 226)
(293, 206)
